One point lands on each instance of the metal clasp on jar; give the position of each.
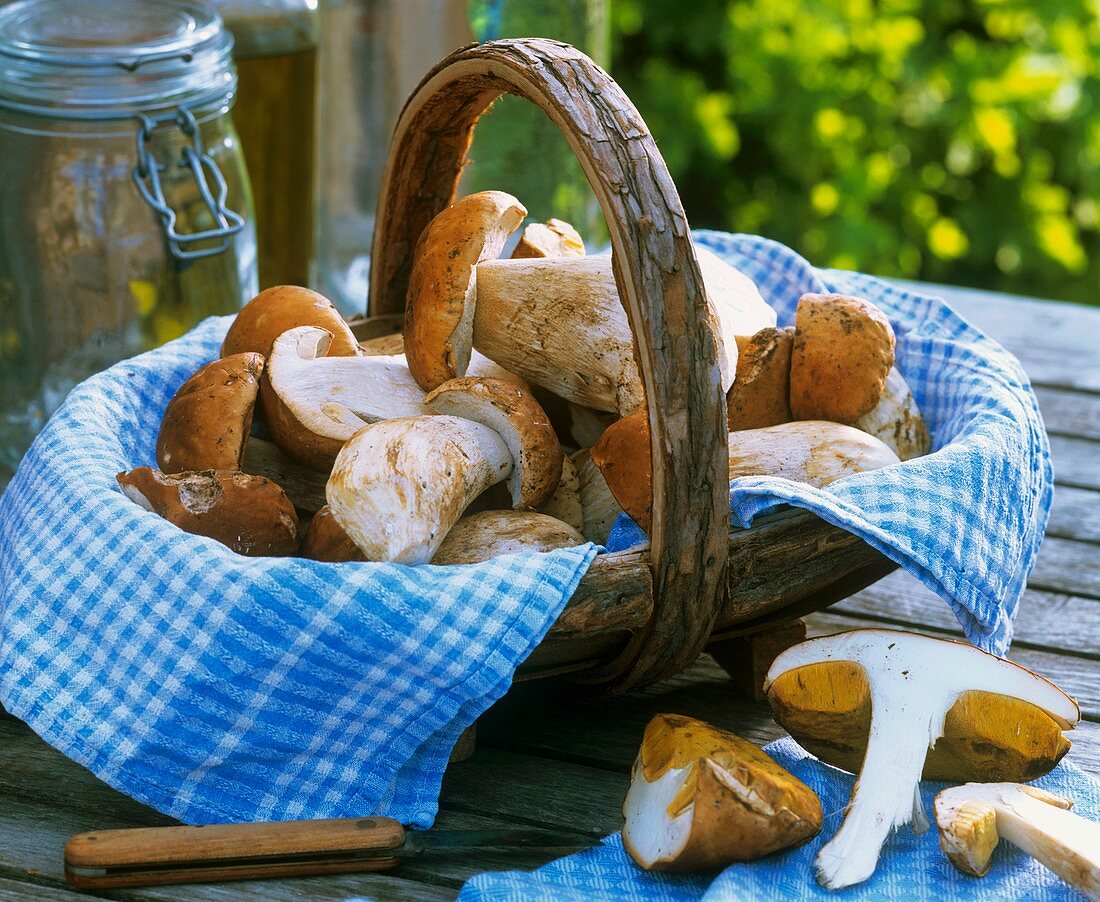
(185, 247)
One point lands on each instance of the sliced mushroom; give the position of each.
(813, 452)
(760, 394)
(315, 403)
(598, 505)
(565, 503)
(553, 238)
(206, 424)
(277, 310)
(439, 313)
(249, 514)
(325, 540)
(517, 418)
(896, 420)
(843, 352)
(703, 798)
(490, 534)
(398, 486)
(895, 706)
(972, 818)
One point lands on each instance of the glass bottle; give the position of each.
(125, 216)
(373, 54)
(276, 54)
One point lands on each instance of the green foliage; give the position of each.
(945, 140)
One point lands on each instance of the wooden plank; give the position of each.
(1075, 461)
(1056, 342)
(902, 599)
(1065, 565)
(1070, 412)
(20, 890)
(1076, 513)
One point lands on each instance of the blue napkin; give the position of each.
(221, 688)
(966, 521)
(911, 868)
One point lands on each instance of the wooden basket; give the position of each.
(640, 616)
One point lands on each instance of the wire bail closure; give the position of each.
(184, 247)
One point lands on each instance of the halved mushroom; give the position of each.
(489, 534)
(553, 238)
(760, 394)
(439, 315)
(974, 817)
(398, 486)
(206, 424)
(517, 418)
(326, 541)
(249, 514)
(813, 452)
(843, 352)
(281, 308)
(703, 798)
(315, 403)
(895, 706)
(896, 419)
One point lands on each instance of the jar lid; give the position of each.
(86, 59)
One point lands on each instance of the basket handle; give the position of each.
(658, 280)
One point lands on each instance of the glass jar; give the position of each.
(125, 215)
(275, 47)
(373, 54)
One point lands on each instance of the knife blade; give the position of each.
(154, 856)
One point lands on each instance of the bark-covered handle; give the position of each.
(658, 280)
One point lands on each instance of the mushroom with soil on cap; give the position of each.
(760, 394)
(488, 534)
(811, 452)
(703, 798)
(398, 486)
(315, 403)
(249, 514)
(207, 422)
(896, 706)
(972, 818)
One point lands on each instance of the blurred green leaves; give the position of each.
(945, 140)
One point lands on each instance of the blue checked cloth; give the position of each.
(219, 688)
(966, 521)
(911, 867)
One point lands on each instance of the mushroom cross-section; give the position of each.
(898, 695)
(315, 403)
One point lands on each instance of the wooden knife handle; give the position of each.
(151, 856)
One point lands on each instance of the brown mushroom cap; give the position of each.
(275, 310)
(249, 514)
(439, 313)
(489, 534)
(623, 456)
(325, 540)
(553, 238)
(760, 394)
(843, 352)
(519, 419)
(206, 424)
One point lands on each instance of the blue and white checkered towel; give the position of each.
(221, 688)
(966, 521)
(912, 868)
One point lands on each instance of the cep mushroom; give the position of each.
(703, 798)
(896, 419)
(553, 238)
(281, 308)
(206, 424)
(812, 452)
(843, 352)
(894, 706)
(760, 394)
(249, 514)
(315, 403)
(398, 486)
(972, 818)
(326, 541)
(489, 534)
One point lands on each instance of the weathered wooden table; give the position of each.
(547, 758)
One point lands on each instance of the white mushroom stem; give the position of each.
(973, 816)
(913, 681)
(398, 486)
